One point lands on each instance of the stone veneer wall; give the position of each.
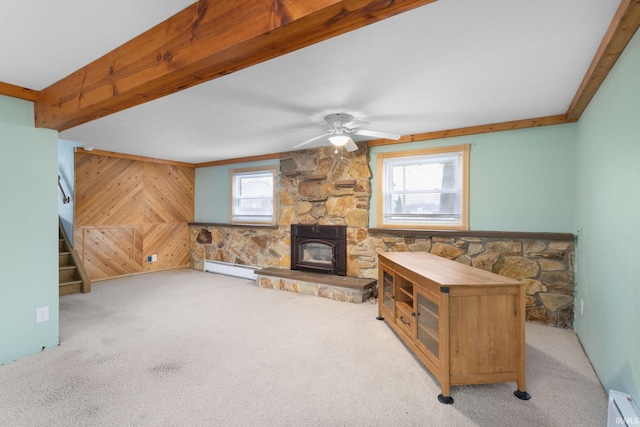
(320, 187)
(317, 186)
(545, 266)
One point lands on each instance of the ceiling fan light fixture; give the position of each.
(340, 129)
(339, 140)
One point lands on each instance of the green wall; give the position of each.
(520, 180)
(608, 215)
(28, 231)
(212, 192)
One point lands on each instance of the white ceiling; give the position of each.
(446, 65)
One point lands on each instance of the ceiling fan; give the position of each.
(341, 127)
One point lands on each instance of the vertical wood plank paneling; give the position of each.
(128, 209)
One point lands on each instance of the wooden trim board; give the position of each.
(624, 25)
(18, 92)
(473, 130)
(132, 157)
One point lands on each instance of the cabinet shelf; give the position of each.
(387, 293)
(431, 332)
(403, 306)
(426, 310)
(407, 291)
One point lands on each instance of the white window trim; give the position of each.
(257, 169)
(464, 219)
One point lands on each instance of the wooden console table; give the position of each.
(466, 325)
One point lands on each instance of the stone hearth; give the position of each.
(339, 288)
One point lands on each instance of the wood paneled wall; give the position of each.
(126, 210)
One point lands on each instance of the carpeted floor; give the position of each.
(186, 348)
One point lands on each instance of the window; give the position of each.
(424, 188)
(253, 195)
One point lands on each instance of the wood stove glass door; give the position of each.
(314, 252)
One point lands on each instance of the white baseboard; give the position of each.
(235, 270)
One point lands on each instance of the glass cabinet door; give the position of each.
(428, 326)
(387, 291)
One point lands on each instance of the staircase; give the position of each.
(72, 277)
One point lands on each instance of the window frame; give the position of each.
(272, 169)
(462, 150)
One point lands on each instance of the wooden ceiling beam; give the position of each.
(622, 28)
(18, 92)
(209, 39)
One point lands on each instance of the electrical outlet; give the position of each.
(154, 257)
(42, 314)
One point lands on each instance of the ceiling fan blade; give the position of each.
(376, 134)
(355, 123)
(308, 141)
(350, 146)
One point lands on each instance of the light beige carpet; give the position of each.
(187, 348)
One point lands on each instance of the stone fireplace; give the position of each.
(319, 248)
(318, 187)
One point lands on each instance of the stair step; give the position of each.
(70, 282)
(71, 287)
(70, 275)
(67, 273)
(64, 259)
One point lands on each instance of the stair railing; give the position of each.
(65, 199)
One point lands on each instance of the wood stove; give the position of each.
(319, 248)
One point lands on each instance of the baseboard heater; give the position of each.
(623, 410)
(228, 269)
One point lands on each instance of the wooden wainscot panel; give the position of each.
(108, 251)
(170, 242)
(127, 209)
(139, 259)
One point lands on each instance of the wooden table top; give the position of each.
(445, 271)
